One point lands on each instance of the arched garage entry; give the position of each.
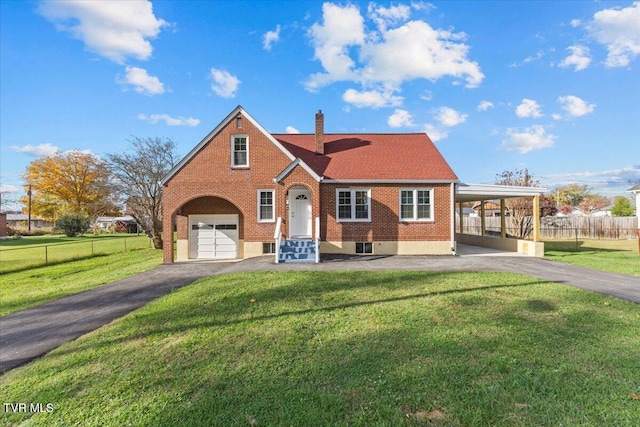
(209, 227)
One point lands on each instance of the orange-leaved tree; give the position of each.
(71, 182)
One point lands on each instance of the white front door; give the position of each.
(299, 214)
(213, 236)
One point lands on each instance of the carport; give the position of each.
(485, 192)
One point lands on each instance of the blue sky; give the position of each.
(545, 85)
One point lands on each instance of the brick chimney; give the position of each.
(319, 133)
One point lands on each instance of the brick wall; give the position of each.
(3, 224)
(385, 224)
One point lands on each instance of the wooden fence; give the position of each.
(562, 228)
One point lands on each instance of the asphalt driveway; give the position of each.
(31, 333)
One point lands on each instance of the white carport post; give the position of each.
(503, 220)
(483, 224)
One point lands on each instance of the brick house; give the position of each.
(244, 192)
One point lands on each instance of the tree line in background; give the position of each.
(73, 188)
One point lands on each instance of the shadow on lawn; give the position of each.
(20, 268)
(248, 307)
(435, 360)
(576, 246)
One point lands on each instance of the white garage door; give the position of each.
(213, 236)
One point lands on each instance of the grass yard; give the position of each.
(617, 256)
(30, 287)
(29, 252)
(348, 348)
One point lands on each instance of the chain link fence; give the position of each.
(24, 257)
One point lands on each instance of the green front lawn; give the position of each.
(348, 348)
(37, 285)
(617, 256)
(30, 252)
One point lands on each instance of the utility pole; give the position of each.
(29, 194)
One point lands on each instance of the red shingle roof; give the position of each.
(404, 156)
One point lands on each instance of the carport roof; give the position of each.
(475, 192)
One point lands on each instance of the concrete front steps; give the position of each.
(297, 250)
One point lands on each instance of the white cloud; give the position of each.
(619, 31)
(528, 139)
(141, 81)
(6, 188)
(224, 84)
(575, 23)
(579, 58)
(575, 106)
(400, 118)
(291, 129)
(271, 37)
(417, 51)
(435, 133)
(371, 98)
(449, 117)
(169, 121)
(624, 175)
(528, 108)
(342, 27)
(426, 95)
(114, 29)
(612, 181)
(384, 16)
(397, 51)
(46, 149)
(484, 105)
(539, 55)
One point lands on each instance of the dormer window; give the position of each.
(240, 151)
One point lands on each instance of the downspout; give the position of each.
(453, 219)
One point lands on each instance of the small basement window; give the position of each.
(364, 247)
(269, 248)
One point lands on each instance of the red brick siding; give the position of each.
(208, 184)
(3, 224)
(385, 224)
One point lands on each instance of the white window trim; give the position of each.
(273, 211)
(353, 205)
(415, 205)
(233, 137)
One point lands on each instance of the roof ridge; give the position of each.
(352, 133)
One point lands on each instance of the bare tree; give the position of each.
(137, 173)
(520, 208)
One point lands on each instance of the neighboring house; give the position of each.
(575, 211)
(605, 211)
(122, 224)
(15, 220)
(243, 192)
(491, 208)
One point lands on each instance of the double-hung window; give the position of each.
(353, 204)
(266, 211)
(240, 151)
(416, 204)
